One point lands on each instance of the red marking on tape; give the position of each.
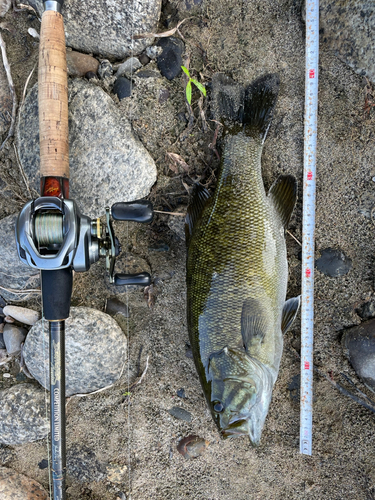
(309, 175)
(312, 73)
(307, 365)
(308, 273)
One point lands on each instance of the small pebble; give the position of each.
(80, 64)
(192, 446)
(144, 59)
(89, 75)
(13, 338)
(180, 413)
(22, 314)
(170, 60)
(33, 32)
(6, 375)
(181, 393)
(116, 473)
(43, 464)
(154, 51)
(115, 306)
(367, 310)
(128, 67)
(122, 88)
(21, 377)
(333, 262)
(105, 69)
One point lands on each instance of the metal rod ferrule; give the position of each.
(52, 5)
(57, 419)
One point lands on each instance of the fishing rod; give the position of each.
(51, 233)
(308, 224)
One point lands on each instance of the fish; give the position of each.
(236, 268)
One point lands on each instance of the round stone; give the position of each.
(95, 351)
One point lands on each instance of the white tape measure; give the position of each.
(308, 223)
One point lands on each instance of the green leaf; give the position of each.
(188, 92)
(185, 70)
(200, 86)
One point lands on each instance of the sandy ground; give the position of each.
(244, 40)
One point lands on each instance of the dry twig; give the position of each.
(26, 84)
(22, 172)
(164, 34)
(295, 239)
(11, 88)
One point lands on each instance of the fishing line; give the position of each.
(126, 250)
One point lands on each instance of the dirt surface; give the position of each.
(105, 433)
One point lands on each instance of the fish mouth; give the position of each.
(236, 428)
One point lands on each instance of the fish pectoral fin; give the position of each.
(283, 195)
(253, 324)
(290, 311)
(195, 209)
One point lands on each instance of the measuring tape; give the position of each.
(308, 224)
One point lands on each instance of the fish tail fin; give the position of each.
(249, 108)
(259, 102)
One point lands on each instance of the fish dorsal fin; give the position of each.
(290, 311)
(194, 211)
(283, 194)
(253, 324)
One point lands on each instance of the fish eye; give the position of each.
(218, 407)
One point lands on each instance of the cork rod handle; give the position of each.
(53, 98)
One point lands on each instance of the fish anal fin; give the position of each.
(283, 195)
(195, 209)
(290, 311)
(253, 324)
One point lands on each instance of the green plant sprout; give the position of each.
(188, 85)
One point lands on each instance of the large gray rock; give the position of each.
(14, 275)
(107, 162)
(106, 27)
(95, 351)
(348, 28)
(23, 414)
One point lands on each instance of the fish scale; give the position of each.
(237, 276)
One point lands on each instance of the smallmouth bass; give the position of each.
(237, 268)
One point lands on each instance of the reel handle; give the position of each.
(141, 279)
(53, 94)
(136, 211)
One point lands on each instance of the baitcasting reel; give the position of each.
(52, 234)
